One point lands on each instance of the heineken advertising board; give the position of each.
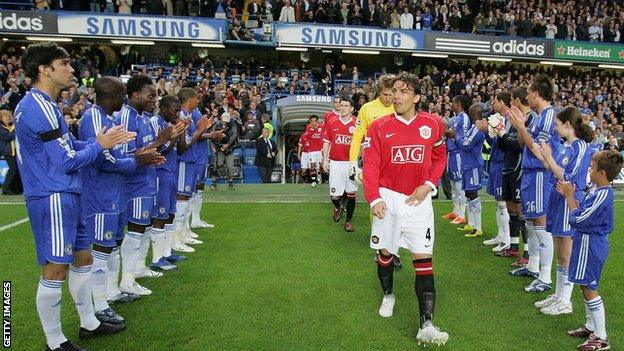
(593, 52)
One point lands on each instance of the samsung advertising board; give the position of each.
(27, 22)
(347, 37)
(476, 45)
(144, 27)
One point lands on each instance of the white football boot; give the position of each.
(387, 306)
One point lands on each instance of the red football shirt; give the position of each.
(401, 155)
(303, 141)
(327, 119)
(339, 134)
(315, 138)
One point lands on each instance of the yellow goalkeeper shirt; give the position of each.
(369, 112)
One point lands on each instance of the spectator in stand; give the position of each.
(427, 19)
(252, 128)
(287, 14)
(395, 19)
(12, 184)
(266, 153)
(125, 6)
(551, 29)
(407, 19)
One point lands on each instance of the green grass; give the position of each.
(283, 276)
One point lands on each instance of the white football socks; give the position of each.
(533, 244)
(589, 324)
(99, 279)
(462, 200)
(48, 302)
(564, 286)
(180, 218)
(114, 262)
(168, 239)
(196, 206)
(597, 312)
(144, 247)
(129, 254)
(502, 216)
(475, 210)
(158, 237)
(546, 251)
(80, 290)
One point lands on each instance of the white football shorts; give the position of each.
(339, 181)
(409, 227)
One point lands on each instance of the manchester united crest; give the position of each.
(425, 132)
(351, 129)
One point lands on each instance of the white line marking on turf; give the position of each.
(14, 224)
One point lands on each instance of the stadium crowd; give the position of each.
(588, 20)
(242, 88)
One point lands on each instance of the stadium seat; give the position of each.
(251, 174)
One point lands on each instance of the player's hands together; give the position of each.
(567, 188)
(215, 135)
(178, 129)
(517, 118)
(114, 136)
(205, 123)
(482, 125)
(546, 150)
(450, 133)
(148, 157)
(418, 196)
(165, 135)
(379, 210)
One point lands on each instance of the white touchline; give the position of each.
(14, 224)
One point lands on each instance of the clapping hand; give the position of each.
(114, 136)
(517, 118)
(148, 157)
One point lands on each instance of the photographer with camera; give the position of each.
(223, 149)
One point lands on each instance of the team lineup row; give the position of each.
(145, 173)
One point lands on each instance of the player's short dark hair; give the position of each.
(186, 93)
(106, 87)
(411, 80)
(543, 86)
(313, 117)
(167, 101)
(505, 97)
(521, 94)
(609, 161)
(573, 116)
(136, 83)
(41, 54)
(347, 100)
(464, 101)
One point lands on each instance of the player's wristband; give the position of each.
(433, 188)
(375, 202)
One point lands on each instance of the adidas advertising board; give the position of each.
(27, 22)
(484, 45)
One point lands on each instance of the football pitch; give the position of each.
(278, 274)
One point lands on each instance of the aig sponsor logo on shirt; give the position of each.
(408, 154)
(343, 139)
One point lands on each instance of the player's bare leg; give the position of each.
(424, 286)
